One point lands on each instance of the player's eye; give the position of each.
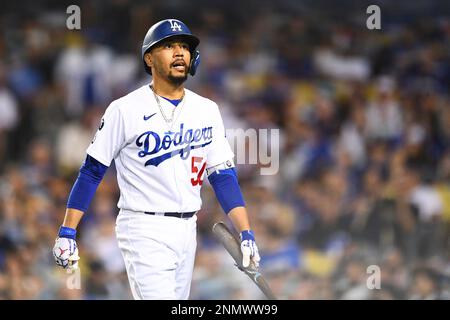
(168, 46)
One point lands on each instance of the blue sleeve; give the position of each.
(83, 190)
(226, 187)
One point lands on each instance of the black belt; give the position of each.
(174, 214)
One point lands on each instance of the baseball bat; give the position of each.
(233, 246)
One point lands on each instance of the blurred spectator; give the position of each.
(73, 139)
(383, 116)
(84, 70)
(9, 111)
(425, 285)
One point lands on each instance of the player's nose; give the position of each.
(178, 50)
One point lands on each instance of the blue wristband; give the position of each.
(66, 232)
(247, 235)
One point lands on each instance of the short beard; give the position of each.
(177, 80)
(174, 80)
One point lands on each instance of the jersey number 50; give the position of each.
(196, 162)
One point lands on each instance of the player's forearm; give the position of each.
(83, 190)
(239, 217)
(72, 218)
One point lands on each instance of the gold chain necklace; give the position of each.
(160, 108)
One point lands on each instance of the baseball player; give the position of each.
(163, 139)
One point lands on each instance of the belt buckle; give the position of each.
(159, 214)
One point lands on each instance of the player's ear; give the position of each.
(148, 59)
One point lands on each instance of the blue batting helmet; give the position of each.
(171, 28)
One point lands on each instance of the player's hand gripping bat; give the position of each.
(232, 244)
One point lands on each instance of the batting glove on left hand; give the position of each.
(65, 250)
(249, 249)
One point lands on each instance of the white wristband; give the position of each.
(222, 166)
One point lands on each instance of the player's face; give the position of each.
(170, 60)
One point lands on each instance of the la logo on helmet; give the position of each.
(174, 25)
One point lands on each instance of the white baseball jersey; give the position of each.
(160, 166)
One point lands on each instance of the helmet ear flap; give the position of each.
(195, 62)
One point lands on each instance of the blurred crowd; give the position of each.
(364, 168)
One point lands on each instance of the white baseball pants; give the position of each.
(159, 254)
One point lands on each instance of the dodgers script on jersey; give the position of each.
(160, 165)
